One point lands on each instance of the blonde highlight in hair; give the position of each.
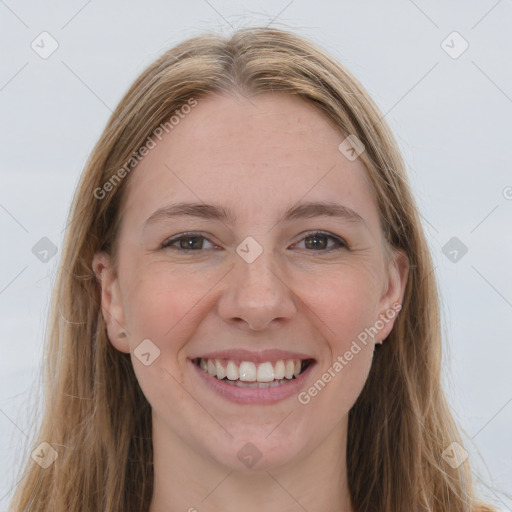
(96, 415)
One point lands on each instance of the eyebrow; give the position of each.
(216, 212)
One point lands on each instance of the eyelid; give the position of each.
(166, 244)
(341, 243)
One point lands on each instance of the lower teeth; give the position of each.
(261, 385)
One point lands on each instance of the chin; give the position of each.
(253, 450)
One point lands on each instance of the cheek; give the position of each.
(166, 305)
(345, 300)
(338, 382)
(346, 304)
(339, 387)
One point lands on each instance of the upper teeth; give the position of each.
(250, 372)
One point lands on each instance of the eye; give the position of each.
(187, 242)
(318, 241)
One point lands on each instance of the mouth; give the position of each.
(248, 374)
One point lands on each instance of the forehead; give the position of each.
(249, 153)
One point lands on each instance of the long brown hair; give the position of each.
(96, 417)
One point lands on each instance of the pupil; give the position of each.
(316, 244)
(186, 245)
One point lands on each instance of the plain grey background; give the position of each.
(449, 107)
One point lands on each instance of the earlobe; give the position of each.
(392, 300)
(111, 305)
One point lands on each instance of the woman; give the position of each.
(246, 313)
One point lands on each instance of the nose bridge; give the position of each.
(260, 274)
(256, 292)
(257, 279)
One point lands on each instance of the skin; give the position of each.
(256, 156)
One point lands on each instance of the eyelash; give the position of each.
(340, 242)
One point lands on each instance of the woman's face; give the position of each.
(251, 291)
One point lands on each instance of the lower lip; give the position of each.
(254, 395)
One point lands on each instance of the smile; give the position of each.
(251, 375)
(264, 380)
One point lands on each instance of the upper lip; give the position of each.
(260, 356)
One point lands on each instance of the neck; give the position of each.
(186, 481)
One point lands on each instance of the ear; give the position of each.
(394, 291)
(111, 305)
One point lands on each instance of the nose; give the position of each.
(256, 296)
